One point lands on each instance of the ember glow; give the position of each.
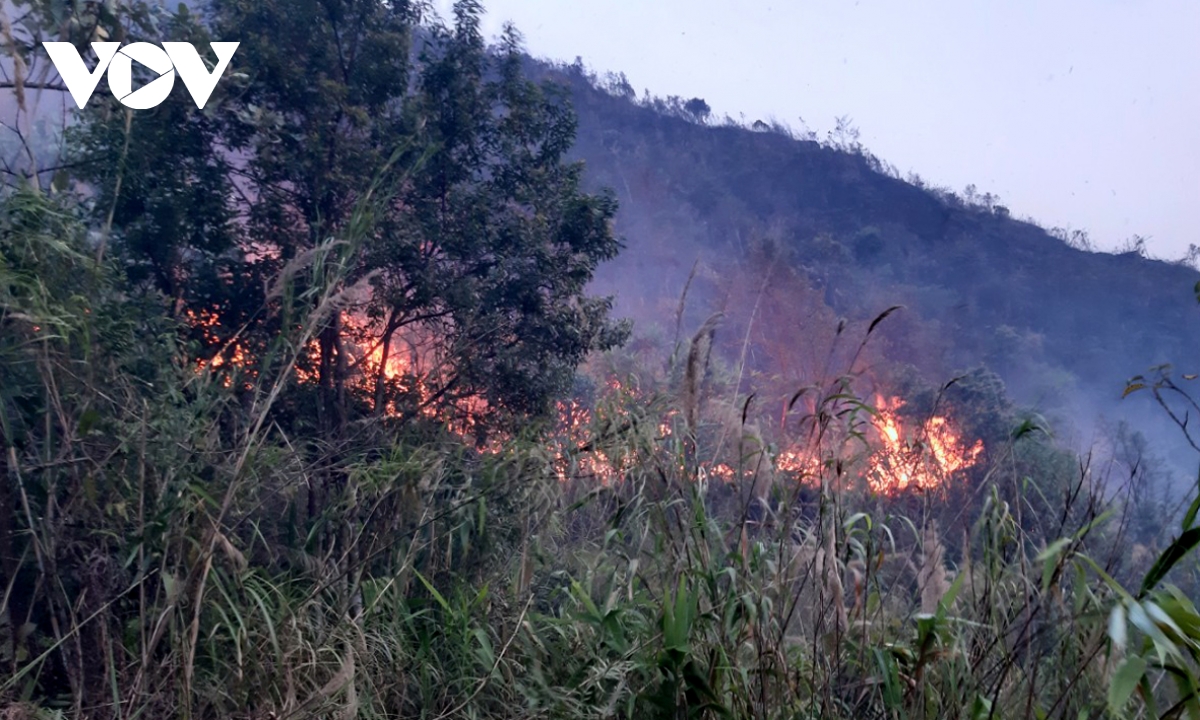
(574, 431)
(923, 457)
(906, 455)
(227, 355)
(409, 366)
(806, 468)
(412, 368)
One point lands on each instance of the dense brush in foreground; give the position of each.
(165, 553)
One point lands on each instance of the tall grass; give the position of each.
(170, 551)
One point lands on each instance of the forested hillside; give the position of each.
(1064, 326)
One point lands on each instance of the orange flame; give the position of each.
(923, 459)
(231, 354)
(806, 467)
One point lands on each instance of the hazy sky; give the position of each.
(1080, 113)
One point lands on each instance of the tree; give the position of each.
(472, 302)
(698, 109)
(496, 242)
(1134, 245)
(162, 188)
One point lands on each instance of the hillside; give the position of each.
(1064, 327)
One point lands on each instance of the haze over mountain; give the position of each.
(1064, 327)
(1075, 112)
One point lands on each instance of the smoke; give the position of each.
(832, 239)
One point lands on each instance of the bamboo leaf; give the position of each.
(1129, 673)
(1167, 560)
(433, 591)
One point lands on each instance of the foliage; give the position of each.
(160, 560)
(477, 270)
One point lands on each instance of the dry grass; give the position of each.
(167, 564)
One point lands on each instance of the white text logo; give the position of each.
(172, 57)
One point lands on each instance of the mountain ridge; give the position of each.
(1052, 319)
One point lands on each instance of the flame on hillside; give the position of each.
(923, 457)
(906, 456)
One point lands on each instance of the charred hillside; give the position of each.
(979, 285)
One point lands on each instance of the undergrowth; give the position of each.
(171, 550)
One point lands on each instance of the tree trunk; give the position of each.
(381, 372)
(332, 370)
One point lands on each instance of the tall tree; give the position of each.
(477, 269)
(322, 111)
(486, 272)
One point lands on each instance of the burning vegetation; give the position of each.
(916, 456)
(905, 454)
(402, 377)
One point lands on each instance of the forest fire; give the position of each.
(922, 458)
(409, 365)
(406, 365)
(906, 455)
(573, 428)
(228, 354)
(805, 466)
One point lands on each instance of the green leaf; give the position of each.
(1162, 644)
(853, 520)
(677, 619)
(1049, 558)
(1172, 555)
(1189, 518)
(891, 678)
(1115, 586)
(1183, 613)
(586, 600)
(951, 595)
(981, 708)
(1161, 618)
(1028, 426)
(1125, 679)
(1147, 690)
(433, 591)
(487, 656)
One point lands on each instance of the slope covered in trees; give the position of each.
(1065, 327)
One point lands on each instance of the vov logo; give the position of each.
(172, 57)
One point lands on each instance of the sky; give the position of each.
(1081, 114)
